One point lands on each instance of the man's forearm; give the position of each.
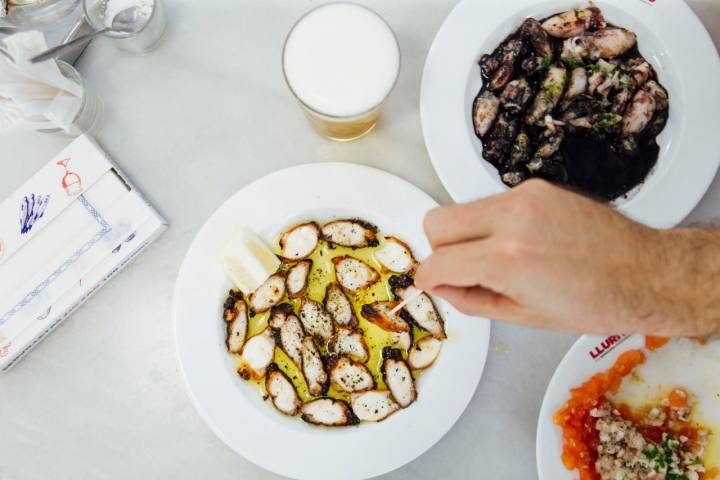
(689, 281)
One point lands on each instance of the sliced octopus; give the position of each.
(338, 306)
(398, 377)
(347, 341)
(396, 256)
(289, 333)
(374, 405)
(315, 319)
(349, 375)
(313, 368)
(282, 391)
(424, 352)
(268, 294)
(328, 412)
(236, 319)
(257, 355)
(299, 241)
(382, 315)
(420, 307)
(353, 274)
(297, 278)
(402, 340)
(350, 233)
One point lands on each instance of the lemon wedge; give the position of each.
(248, 260)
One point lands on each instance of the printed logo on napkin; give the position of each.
(650, 2)
(48, 193)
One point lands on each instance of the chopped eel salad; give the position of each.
(324, 337)
(571, 99)
(605, 441)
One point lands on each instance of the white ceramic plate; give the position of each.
(682, 363)
(234, 409)
(670, 37)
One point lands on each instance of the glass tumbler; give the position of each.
(341, 60)
(88, 117)
(100, 14)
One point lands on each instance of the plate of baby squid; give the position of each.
(335, 349)
(609, 98)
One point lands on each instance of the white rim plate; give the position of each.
(670, 36)
(234, 409)
(593, 354)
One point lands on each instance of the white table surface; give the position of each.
(192, 123)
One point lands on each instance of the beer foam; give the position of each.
(341, 59)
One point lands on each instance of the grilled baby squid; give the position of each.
(485, 110)
(549, 95)
(574, 22)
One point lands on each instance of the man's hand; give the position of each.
(543, 256)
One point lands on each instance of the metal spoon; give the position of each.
(126, 21)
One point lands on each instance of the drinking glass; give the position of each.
(100, 14)
(341, 60)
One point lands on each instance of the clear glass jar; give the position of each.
(40, 12)
(91, 108)
(146, 39)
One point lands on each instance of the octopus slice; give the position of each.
(611, 42)
(549, 95)
(578, 83)
(338, 306)
(313, 368)
(297, 278)
(374, 406)
(328, 412)
(268, 294)
(257, 354)
(516, 95)
(396, 256)
(424, 353)
(282, 391)
(380, 314)
(315, 319)
(353, 274)
(350, 233)
(279, 314)
(421, 308)
(397, 377)
(402, 340)
(299, 241)
(350, 376)
(485, 110)
(658, 93)
(289, 334)
(574, 22)
(509, 54)
(347, 341)
(533, 31)
(236, 318)
(639, 112)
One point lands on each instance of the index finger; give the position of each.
(461, 222)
